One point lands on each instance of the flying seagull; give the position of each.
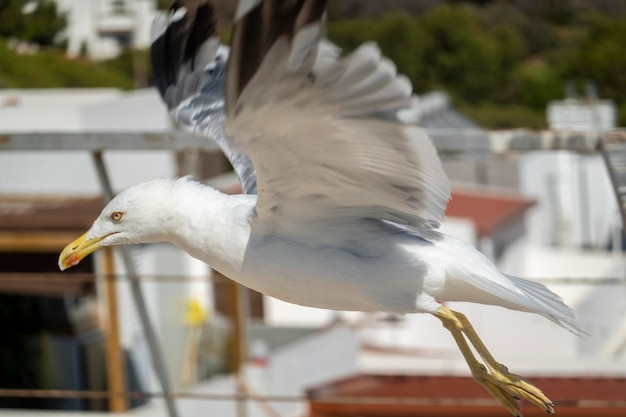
(341, 201)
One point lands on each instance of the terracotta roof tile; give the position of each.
(489, 211)
(419, 395)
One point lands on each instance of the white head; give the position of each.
(140, 214)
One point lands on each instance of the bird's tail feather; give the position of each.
(496, 288)
(553, 307)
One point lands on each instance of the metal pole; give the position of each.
(140, 303)
(116, 370)
(240, 313)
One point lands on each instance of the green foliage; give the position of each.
(460, 56)
(444, 48)
(32, 21)
(559, 12)
(504, 117)
(49, 68)
(540, 36)
(456, 56)
(538, 84)
(600, 56)
(506, 60)
(163, 4)
(501, 61)
(512, 50)
(393, 33)
(349, 34)
(133, 64)
(621, 115)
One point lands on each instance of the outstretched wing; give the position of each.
(318, 128)
(189, 66)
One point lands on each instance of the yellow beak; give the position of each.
(77, 250)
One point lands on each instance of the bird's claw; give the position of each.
(509, 389)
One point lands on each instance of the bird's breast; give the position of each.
(339, 277)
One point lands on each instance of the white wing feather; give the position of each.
(323, 146)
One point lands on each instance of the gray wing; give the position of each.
(318, 128)
(189, 67)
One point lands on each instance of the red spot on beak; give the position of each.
(72, 260)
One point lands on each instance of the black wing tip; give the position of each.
(203, 27)
(256, 31)
(181, 41)
(176, 4)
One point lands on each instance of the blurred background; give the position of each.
(524, 100)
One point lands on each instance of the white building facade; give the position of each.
(102, 29)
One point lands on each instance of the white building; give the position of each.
(104, 28)
(75, 111)
(586, 115)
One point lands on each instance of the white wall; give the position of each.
(89, 21)
(80, 23)
(50, 110)
(582, 115)
(81, 110)
(133, 111)
(600, 305)
(575, 201)
(324, 356)
(167, 298)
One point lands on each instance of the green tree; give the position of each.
(444, 48)
(460, 55)
(538, 84)
(511, 51)
(349, 34)
(399, 36)
(393, 34)
(559, 12)
(37, 21)
(163, 4)
(600, 57)
(50, 68)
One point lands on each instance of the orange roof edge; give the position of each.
(489, 211)
(434, 396)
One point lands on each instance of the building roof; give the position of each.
(434, 111)
(490, 212)
(33, 230)
(44, 225)
(24, 213)
(402, 395)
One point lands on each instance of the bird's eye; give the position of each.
(117, 216)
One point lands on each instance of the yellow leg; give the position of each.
(504, 386)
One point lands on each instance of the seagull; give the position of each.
(341, 201)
